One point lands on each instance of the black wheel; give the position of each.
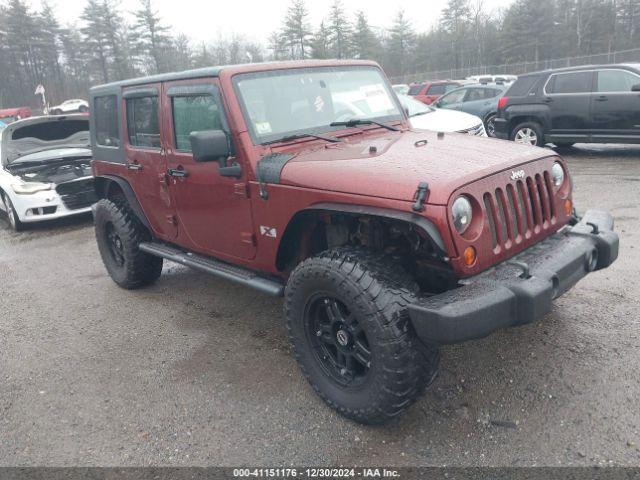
(347, 319)
(12, 216)
(490, 125)
(119, 233)
(83, 109)
(528, 133)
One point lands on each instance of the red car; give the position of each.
(384, 241)
(9, 115)
(431, 91)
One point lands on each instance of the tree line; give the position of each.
(107, 44)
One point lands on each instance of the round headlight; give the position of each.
(557, 172)
(461, 214)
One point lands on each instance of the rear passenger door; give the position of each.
(146, 160)
(568, 95)
(213, 212)
(479, 100)
(615, 108)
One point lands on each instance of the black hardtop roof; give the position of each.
(215, 72)
(634, 66)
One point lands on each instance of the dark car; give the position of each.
(384, 241)
(479, 100)
(429, 92)
(589, 104)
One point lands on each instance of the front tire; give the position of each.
(12, 216)
(528, 133)
(347, 319)
(119, 233)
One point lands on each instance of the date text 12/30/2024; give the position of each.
(315, 473)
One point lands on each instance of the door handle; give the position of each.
(134, 166)
(178, 172)
(601, 98)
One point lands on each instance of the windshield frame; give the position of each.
(273, 138)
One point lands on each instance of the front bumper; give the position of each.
(520, 290)
(41, 206)
(501, 128)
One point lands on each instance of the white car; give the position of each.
(425, 117)
(70, 106)
(46, 171)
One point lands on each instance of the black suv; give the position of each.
(589, 104)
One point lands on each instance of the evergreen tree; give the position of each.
(320, 45)
(340, 31)
(401, 43)
(153, 41)
(296, 31)
(364, 40)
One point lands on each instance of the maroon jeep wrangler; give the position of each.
(304, 180)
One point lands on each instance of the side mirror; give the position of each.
(213, 146)
(210, 146)
(636, 88)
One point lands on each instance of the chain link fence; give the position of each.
(623, 56)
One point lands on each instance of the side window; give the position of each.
(578, 82)
(143, 127)
(616, 81)
(436, 90)
(415, 89)
(453, 97)
(475, 94)
(194, 114)
(451, 86)
(105, 116)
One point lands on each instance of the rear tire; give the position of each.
(528, 133)
(490, 125)
(119, 233)
(12, 216)
(83, 109)
(347, 319)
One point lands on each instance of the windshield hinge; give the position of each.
(420, 196)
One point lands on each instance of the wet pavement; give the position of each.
(198, 371)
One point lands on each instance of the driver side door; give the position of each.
(213, 212)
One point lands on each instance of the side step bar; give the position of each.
(220, 269)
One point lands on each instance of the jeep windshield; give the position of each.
(288, 103)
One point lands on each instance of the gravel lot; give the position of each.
(197, 371)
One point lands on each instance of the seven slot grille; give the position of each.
(78, 194)
(520, 210)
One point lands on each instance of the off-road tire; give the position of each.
(376, 290)
(535, 127)
(12, 216)
(131, 268)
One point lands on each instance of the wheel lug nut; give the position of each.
(343, 371)
(318, 333)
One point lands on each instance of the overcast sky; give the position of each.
(256, 19)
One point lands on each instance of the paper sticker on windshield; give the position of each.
(377, 98)
(263, 127)
(319, 104)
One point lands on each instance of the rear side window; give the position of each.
(437, 90)
(105, 114)
(415, 89)
(522, 86)
(577, 82)
(451, 86)
(194, 114)
(616, 81)
(143, 127)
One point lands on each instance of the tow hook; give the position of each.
(420, 196)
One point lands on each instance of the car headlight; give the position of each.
(461, 214)
(30, 188)
(557, 172)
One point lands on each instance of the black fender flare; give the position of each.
(129, 194)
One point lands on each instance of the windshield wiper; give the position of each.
(363, 121)
(302, 135)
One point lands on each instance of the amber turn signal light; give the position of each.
(469, 256)
(568, 207)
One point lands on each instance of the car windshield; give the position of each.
(283, 103)
(414, 107)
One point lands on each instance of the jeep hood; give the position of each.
(393, 164)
